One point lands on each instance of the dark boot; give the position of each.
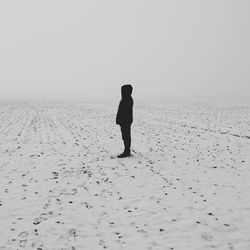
(124, 154)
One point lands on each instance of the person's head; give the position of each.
(126, 90)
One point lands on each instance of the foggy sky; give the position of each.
(88, 49)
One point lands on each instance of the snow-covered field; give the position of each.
(187, 185)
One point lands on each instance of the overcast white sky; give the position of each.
(88, 49)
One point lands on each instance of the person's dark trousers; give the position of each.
(126, 137)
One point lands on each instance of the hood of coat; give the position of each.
(126, 90)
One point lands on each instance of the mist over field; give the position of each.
(167, 169)
(86, 50)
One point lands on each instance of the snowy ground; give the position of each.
(187, 185)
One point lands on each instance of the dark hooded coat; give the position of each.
(125, 110)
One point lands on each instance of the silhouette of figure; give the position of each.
(124, 118)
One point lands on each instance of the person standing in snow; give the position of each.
(124, 118)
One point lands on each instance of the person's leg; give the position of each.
(126, 137)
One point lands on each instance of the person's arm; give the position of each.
(132, 110)
(118, 114)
